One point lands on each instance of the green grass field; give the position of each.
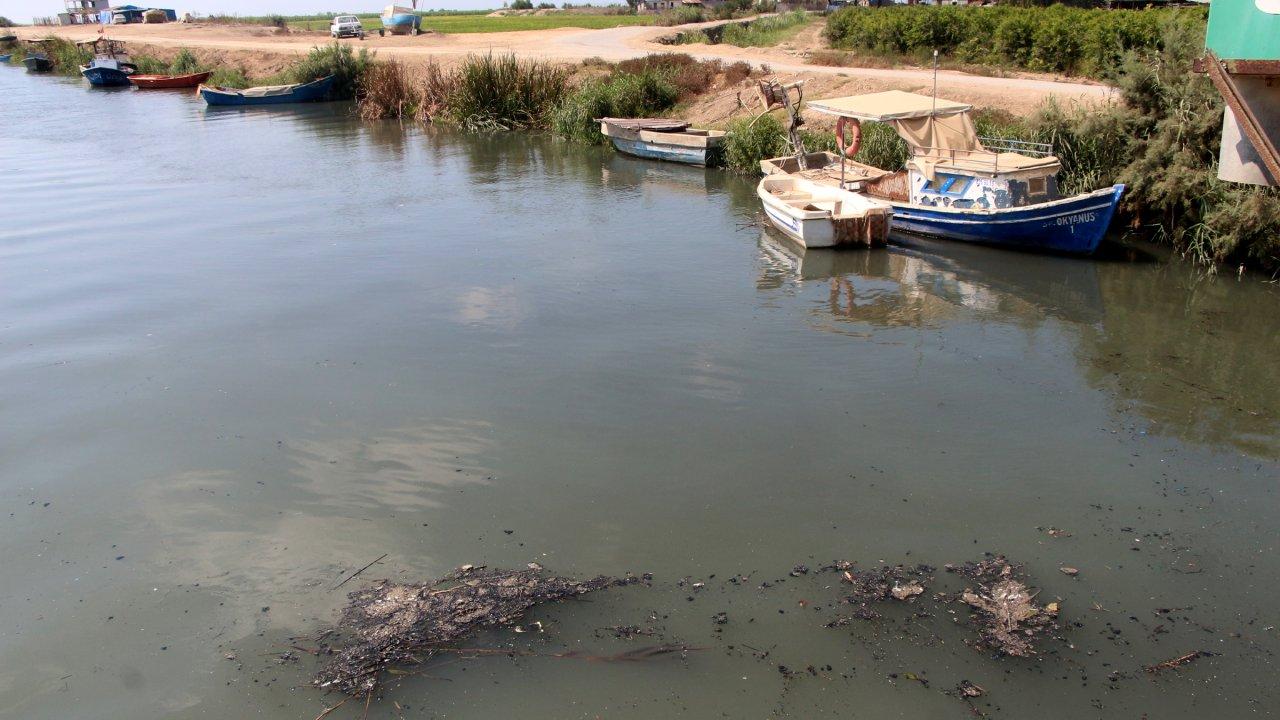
(479, 23)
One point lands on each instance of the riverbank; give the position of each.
(262, 51)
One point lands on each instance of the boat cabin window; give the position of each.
(947, 184)
(1037, 186)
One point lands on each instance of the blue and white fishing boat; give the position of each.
(313, 91)
(401, 20)
(662, 139)
(959, 186)
(110, 66)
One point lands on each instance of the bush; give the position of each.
(681, 16)
(228, 77)
(184, 63)
(766, 31)
(67, 57)
(521, 5)
(503, 93)
(345, 65)
(647, 93)
(752, 140)
(1057, 38)
(6, 22)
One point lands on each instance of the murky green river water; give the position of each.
(243, 354)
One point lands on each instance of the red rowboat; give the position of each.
(151, 82)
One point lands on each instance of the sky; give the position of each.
(24, 10)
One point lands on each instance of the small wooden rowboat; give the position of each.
(160, 82)
(313, 91)
(661, 139)
(818, 216)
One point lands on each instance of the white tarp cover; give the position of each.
(888, 106)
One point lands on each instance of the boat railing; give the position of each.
(1022, 147)
(988, 158)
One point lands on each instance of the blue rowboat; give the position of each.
(662, 139)
(1074, 225)
(313, 91)
(400, 20)
(5, 58)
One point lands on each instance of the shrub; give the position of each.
(228, 77)
(521, 5)
(6, 22)
(647, 93)
(752, 140)
(681, 16)
(389, 92)
(67, 57)
(503, 93)
(345, 65)
(184, 63)
(1057, 38)
(766, 31)
(149, 65)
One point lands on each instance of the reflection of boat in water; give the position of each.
(625, 172)
(935, 279)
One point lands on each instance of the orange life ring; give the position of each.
(850, 146)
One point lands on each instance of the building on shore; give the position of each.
(1243, 60)
(82, 12)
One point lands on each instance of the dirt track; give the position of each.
(254, 46)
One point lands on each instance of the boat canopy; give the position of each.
(940, 133)
(889, 106)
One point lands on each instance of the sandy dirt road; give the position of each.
(260, 46)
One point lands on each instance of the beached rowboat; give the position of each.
(819, 216)
(160, 82)
(662, 139)
(313, 91)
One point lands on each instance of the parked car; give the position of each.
(346, 26)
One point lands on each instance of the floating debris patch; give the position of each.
(871, 587)
(1005, 613)
(395, 624)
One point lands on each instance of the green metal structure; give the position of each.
(1244, 29)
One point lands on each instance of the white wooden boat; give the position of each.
(818, 216)
(662, 139)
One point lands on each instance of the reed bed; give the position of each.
(504, 93)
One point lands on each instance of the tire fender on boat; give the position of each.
(849, 146)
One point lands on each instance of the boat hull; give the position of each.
(105, 76)
(5, 58)
(308, 92)
(1072, 226)
(401, 23)
(163, 82)
(820, 230)
(661, 151)
(37, 64)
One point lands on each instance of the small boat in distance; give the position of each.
(662, 139)
(6, 57)
(398, 20)
(161, 82)
(110, 66)
(821, 216)
(314, 91)
(37, 62)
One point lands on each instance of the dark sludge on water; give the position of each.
(396, 624)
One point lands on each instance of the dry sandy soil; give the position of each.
(261, 51)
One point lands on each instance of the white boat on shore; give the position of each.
(819, 216)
